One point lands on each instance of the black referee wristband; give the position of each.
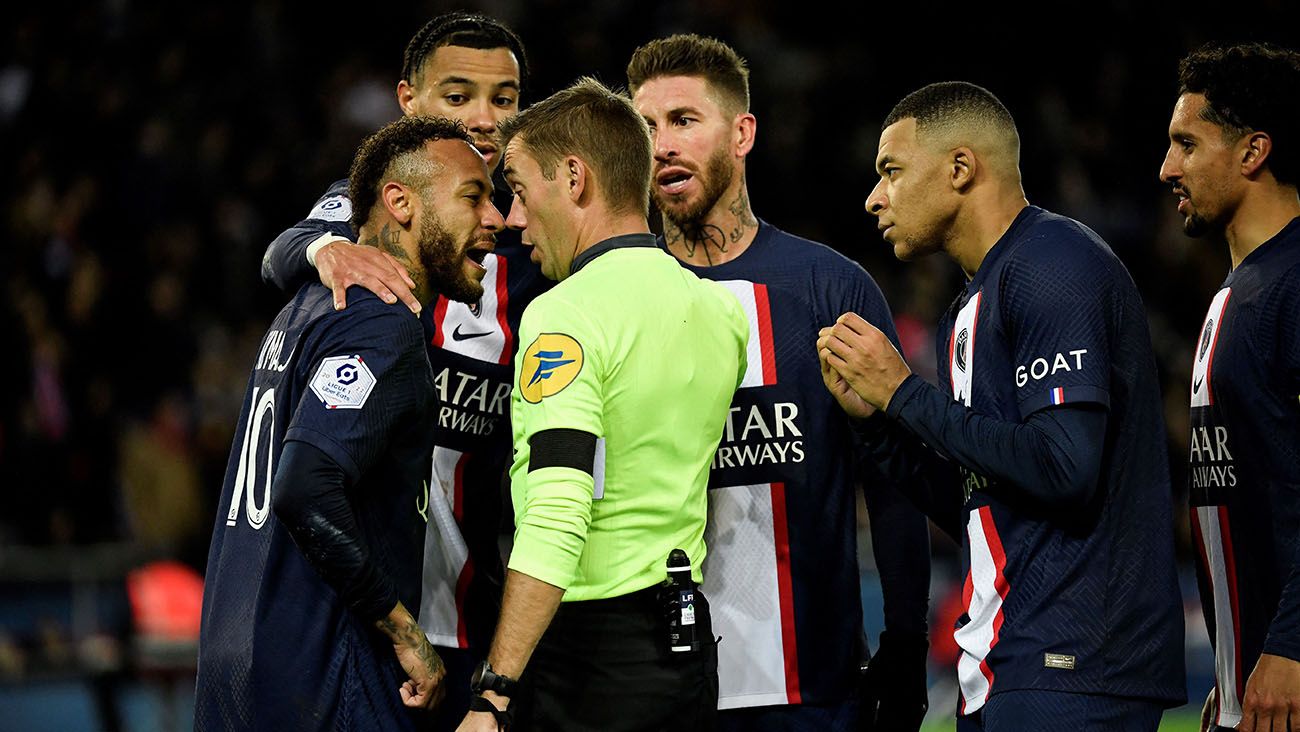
(479, 704)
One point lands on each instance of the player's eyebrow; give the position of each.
(882, 161)
(462, 81)
(475, 185)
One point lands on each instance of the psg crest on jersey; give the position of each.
(962, 339)
(476, 308)
(1205, 337)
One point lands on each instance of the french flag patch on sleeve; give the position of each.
(1058, 395)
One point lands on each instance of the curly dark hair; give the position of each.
(1250, 87)
(467, 30)
(386, 155)
(691, 55)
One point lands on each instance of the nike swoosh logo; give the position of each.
(456, 335)
(1196, 385)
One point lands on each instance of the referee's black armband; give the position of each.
(563, 448)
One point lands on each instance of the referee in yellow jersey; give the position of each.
(621, 395)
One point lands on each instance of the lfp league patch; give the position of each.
(334, 208)
(551, 363)
(343, 382)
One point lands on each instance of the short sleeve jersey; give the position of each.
(1085, 601)
(644, 355)
(782, 574)
(278, 648)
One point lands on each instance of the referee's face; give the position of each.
(909, 201)
(538, 210)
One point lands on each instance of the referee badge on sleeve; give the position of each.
(551, 363)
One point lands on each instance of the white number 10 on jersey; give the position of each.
(246, 476)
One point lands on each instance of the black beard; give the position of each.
(443, 263)
(1195, 225)
(716, 179)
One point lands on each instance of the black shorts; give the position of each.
(605, 666)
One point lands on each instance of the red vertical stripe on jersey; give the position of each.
(785, 588)
(1230, 566)
(1000, 564)
(458, 489)
(767, 348)
(439, 315)
(462, 588)
(503, 300)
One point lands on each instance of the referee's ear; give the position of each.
(575, 174)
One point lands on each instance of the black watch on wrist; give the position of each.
(485, 679)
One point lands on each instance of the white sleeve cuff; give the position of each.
(320, 243)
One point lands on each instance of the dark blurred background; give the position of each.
(151, 151)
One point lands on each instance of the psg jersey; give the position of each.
(471, 349)
(781, 572)
(1244, 470)
(1084, 600)
(279, 649)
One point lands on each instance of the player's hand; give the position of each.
(423, 687)
(849, 401)
(342, 264)
(892, 691)
(1272, 695)
(864, 358)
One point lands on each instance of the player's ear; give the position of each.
(1255, 151)
(746, 128)
(575, 174)
(962, 165)
(406, 96)
(399, 201)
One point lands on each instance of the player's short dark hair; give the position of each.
(387, 155)
(599, 126)
(952, 103)
(1250, 87)
(467, 30)
(687, 54)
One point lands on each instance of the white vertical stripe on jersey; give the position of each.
(598, 470)
(445, 554)
(962, 350)
(1201, 388)
(486, 340)
(1225, 637)
(744, 596)
(744, 292)
(978, 637)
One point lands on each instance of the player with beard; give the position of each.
(782, 570)
(1234, 163)
(471, 68)
(314, 572)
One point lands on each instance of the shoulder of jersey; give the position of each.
(812, 252)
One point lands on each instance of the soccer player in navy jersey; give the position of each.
(313, 577)
(1048, 429)
(471, 68)
(781, 571)
(1234, 163)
